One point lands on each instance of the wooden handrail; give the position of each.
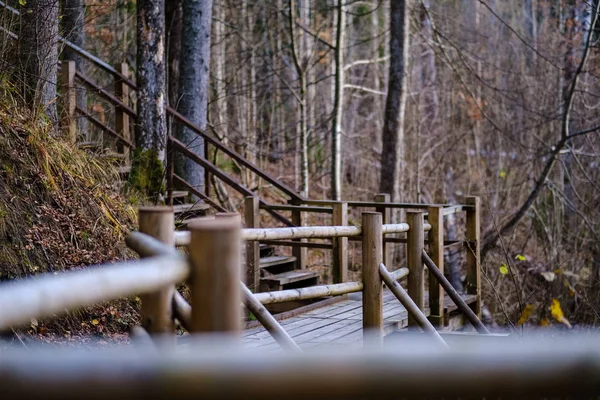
(47, 294)
(198, 193)
(177, 145)
(289, 207)
(454, 295)
(315, 292)
(105, 128)
(290, 243)
(106, 94)
(373, 204)
(266, 176)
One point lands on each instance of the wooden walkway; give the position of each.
(338, 324)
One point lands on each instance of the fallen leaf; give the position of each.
(558, 314)
(549, 276)
(527, 311)
(95, 322)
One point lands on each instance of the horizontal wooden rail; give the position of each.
(49, 294)
(373, 204)
(289, 243)
(394, 228)
(105, 94)
(288, 207)
(315, 292)
(222, 370)
(454, 295)
(267, 177)
(303, 232)
(105, 128)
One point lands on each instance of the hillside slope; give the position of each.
(59, 210)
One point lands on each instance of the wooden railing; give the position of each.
(213, 272)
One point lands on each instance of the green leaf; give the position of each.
(22, 2)
(502, 173)
(520, 257)
(503, 269)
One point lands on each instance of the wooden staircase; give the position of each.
(280, 273)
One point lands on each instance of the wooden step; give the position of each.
(289, 280)
(273, 265)
(266, 250)
(179, 193)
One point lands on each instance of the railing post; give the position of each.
(121, 117)
(415, 239)
(387, 217)
(170, 171)
(252, 220)
(473, 251)
(157, 308)
(436, 252)
(300, 253)
(340, 244)
(215, 251)
(372, 256)
(69, 100)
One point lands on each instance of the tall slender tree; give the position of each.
(38, 55)
(393, 129)
(151, 126)
(338, 103)
(193, 83)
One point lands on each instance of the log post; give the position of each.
(372, 256)
(69, 100)
(414, 250)
(300, 253)
(157, 308)
(387, 219)
(473, 251)
(340, 244)
(121, 117)
(436, 252)
(252, 220)
(170, 171)
(215, 250)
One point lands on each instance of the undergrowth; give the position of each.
(59, 210)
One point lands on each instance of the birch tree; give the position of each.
(338, 103)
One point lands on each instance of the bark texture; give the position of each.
(338, 103)
(193, 83)
(393, 131)
(38, 55)
(151, 127)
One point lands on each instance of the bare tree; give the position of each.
(193, 83)
(38, 55)
(393, 129)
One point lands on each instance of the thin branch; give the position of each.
(364, 89)
(363, 62)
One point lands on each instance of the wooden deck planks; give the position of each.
(339, 323)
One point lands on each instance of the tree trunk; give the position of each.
(151, 126)
(393, 131)
(38, 55)
(193, 83)
(72, 21)
(174, 18)
(338, 104)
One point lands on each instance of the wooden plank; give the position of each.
(290, 277)
(289, 243)
(93, 87)
(266, 262)
(290, 207)
(387, 219)
(300, 253)
(253, 262)
(198, 193)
